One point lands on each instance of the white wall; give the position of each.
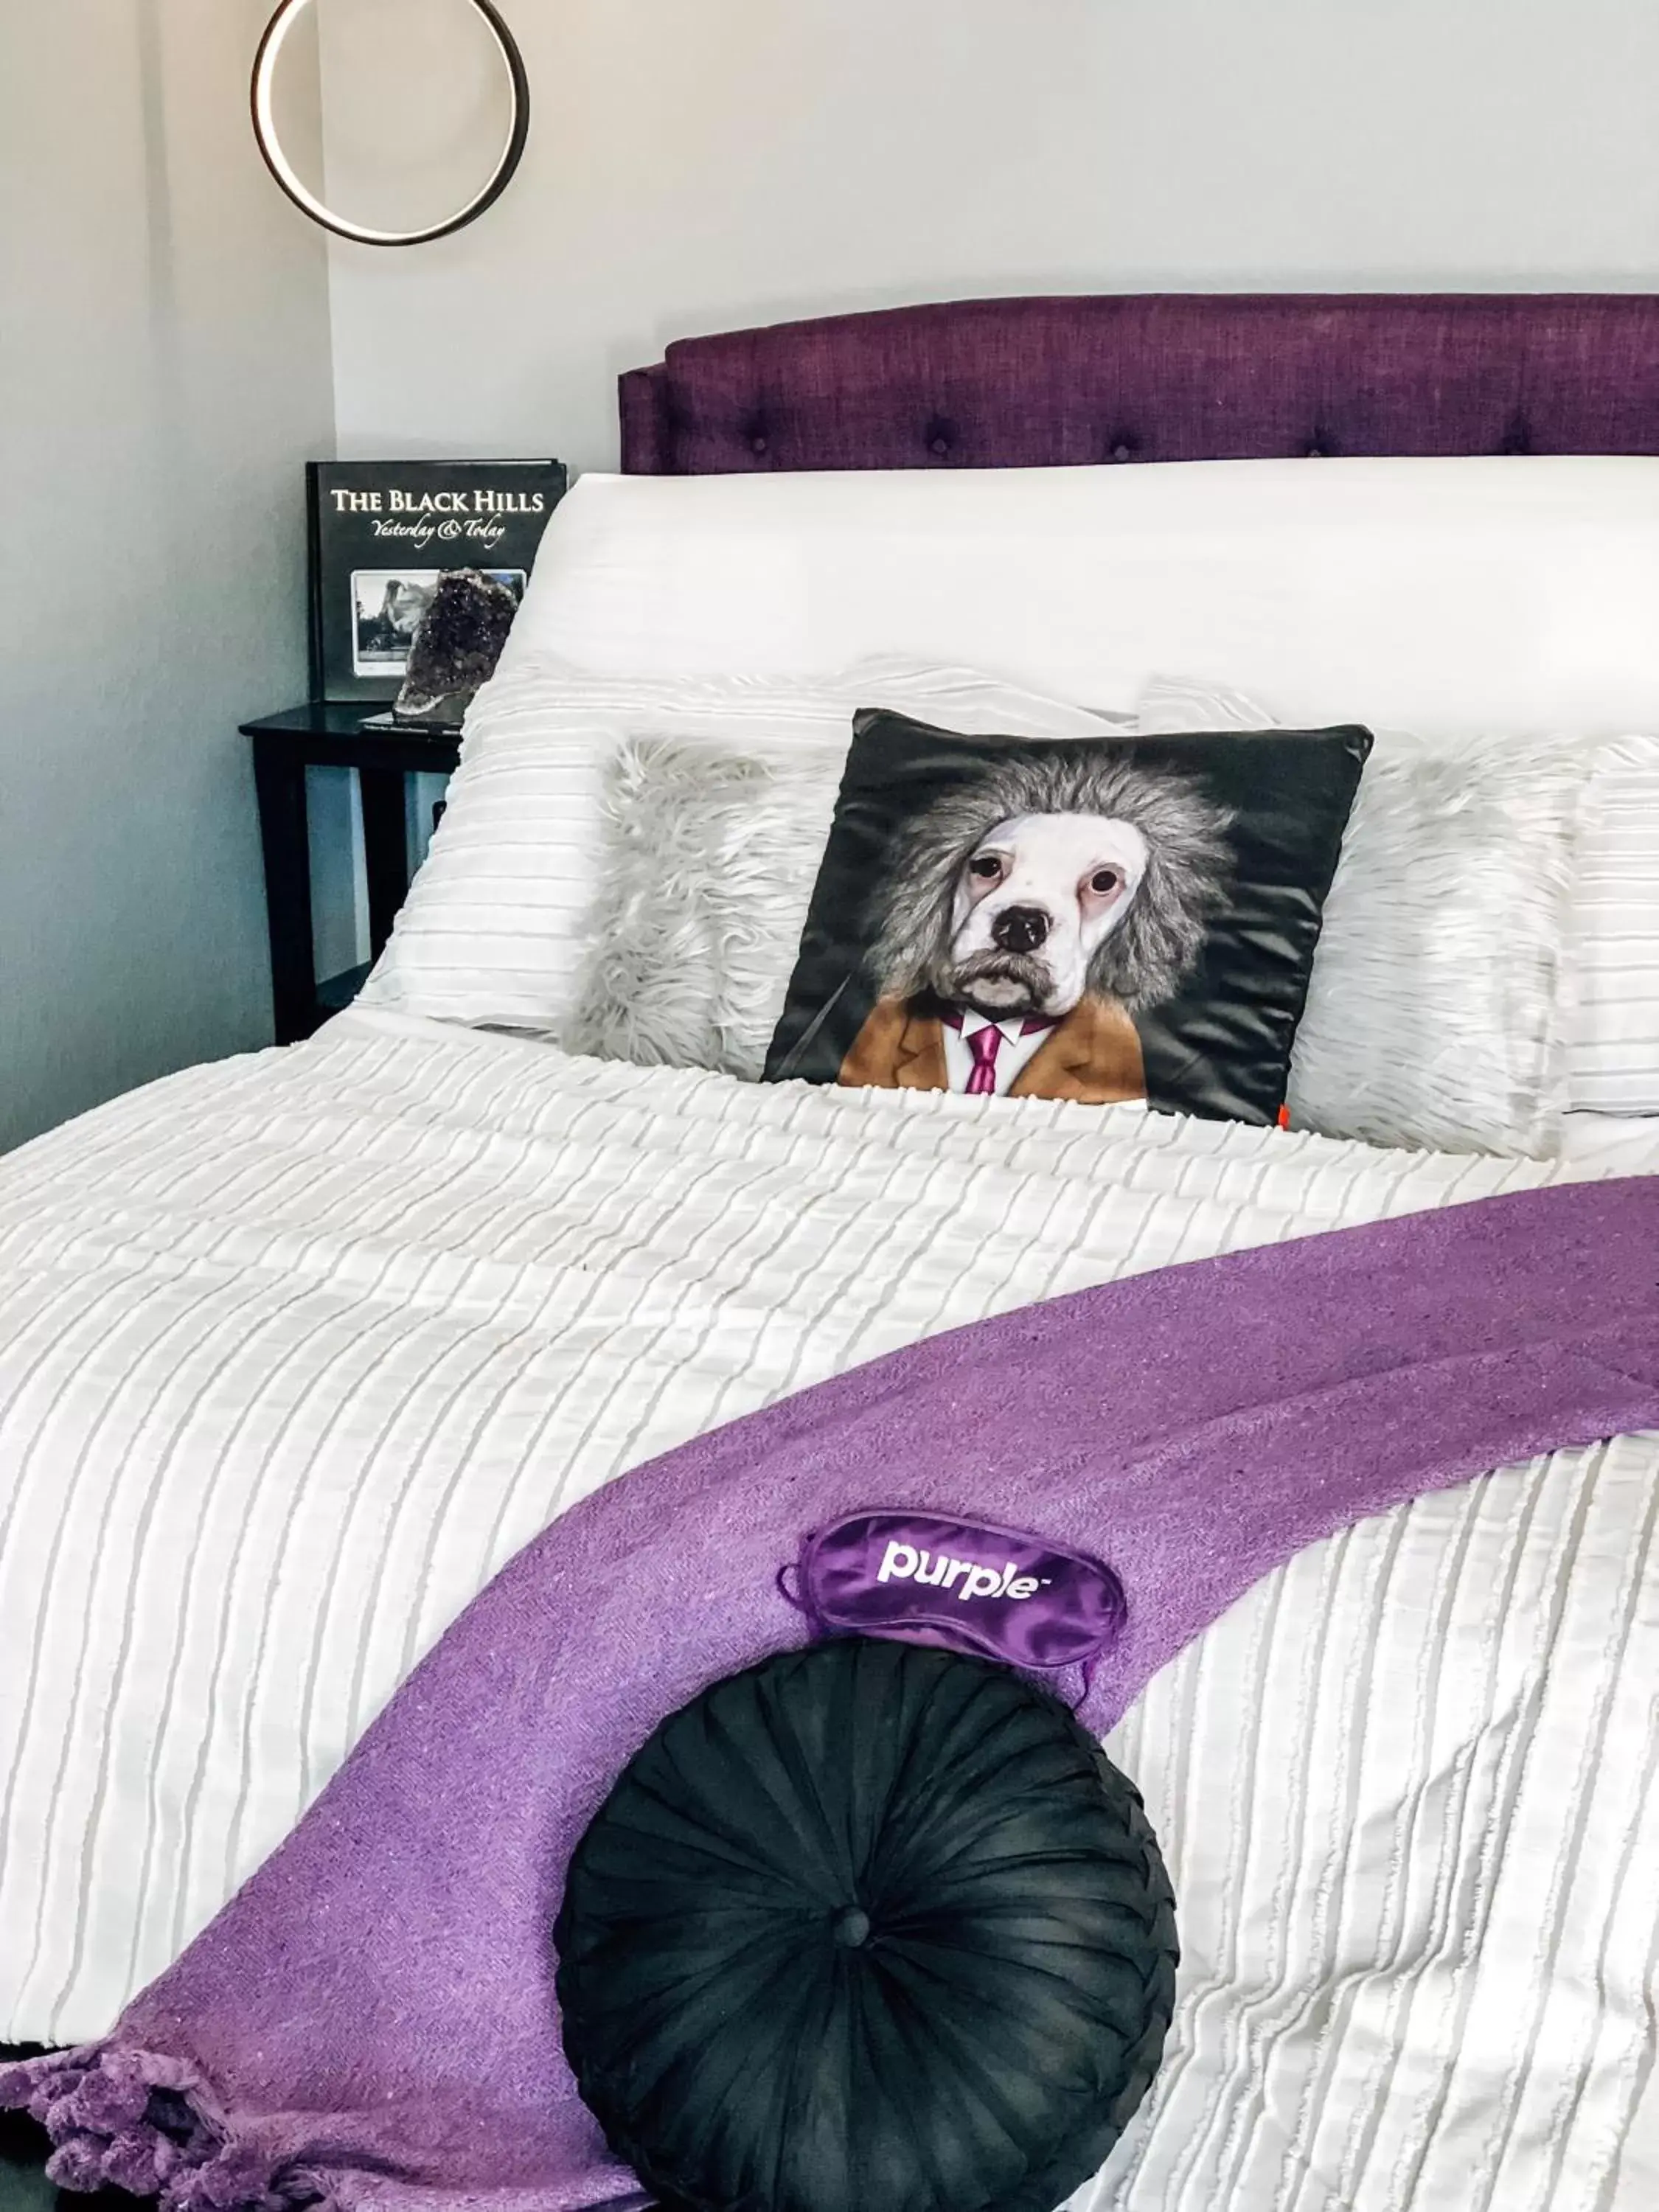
(164, 373)
(699, 164)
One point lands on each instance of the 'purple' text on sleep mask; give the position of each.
(965, 1584)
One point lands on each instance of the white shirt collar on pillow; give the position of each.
(1015, 1049)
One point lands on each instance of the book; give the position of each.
(443, 726)
(380, 535)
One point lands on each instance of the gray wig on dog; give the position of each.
(1143, 961)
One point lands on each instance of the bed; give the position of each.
(296, 1350)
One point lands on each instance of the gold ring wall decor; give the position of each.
(265, 131)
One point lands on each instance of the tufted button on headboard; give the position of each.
(1210, 376)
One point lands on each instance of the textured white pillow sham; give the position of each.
(1603, 1025)
(1612, 1046)
(498, 924)
(1415, 1033)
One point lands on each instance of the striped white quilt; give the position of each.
(295, 1351)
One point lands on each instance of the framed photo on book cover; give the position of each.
(381, 533)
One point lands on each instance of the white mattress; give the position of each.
(295, 1351)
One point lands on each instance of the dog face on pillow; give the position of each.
(1035, 901)
(1043, 880)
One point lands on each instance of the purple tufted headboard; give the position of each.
(1155, 377)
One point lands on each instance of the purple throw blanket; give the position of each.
(371, 2020)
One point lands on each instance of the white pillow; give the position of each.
(711, 854)
(1413, 1033)
(1487, 810)
(496, 927)
(1612, 1046)
(1507, 592)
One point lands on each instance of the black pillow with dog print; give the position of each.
(1095, 919)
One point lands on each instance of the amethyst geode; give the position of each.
(459, 642)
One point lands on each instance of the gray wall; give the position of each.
(698, 164)
(164, 373)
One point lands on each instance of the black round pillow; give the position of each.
(868, 1928)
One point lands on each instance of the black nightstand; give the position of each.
(327, 733)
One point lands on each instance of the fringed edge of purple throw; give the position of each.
(135, 2120)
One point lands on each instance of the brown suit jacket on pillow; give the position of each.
(1093, 1054)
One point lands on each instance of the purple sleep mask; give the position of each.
(967, 1585)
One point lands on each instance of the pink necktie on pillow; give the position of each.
(982, 1076)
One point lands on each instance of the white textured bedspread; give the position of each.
(295, 1351)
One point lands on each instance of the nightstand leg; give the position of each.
(280, 780)
(386, 850)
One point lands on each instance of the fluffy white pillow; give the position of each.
(1524, 875)
(711, 854)
(498, 924)
(1414, 1033)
